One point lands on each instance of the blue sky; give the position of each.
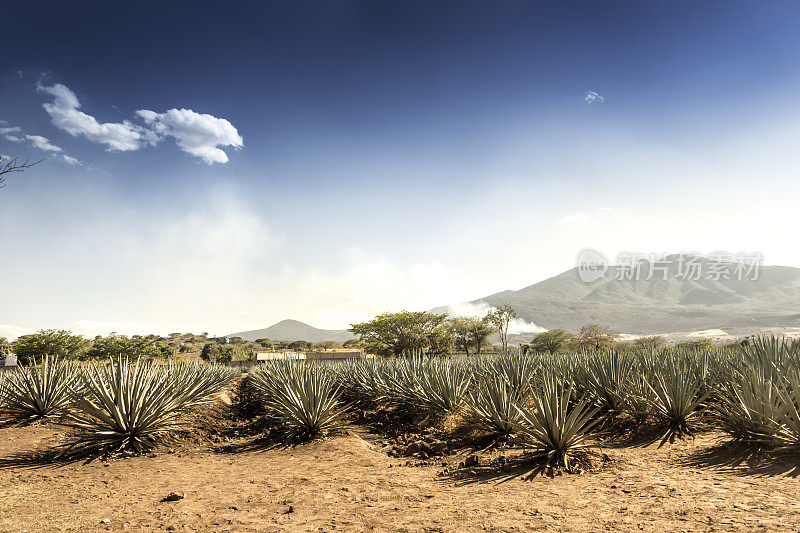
(230, 165)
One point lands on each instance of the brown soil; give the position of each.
(348, 483)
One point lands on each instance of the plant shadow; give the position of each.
(746, 460)
(526, 466)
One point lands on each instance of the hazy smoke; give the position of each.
(480, 309)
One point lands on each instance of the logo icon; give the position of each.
(592, 265)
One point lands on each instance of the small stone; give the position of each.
(472, 460)
(174, 497)
(421, 447)
(105, 521)
(288, 510)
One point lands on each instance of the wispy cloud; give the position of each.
(580, 216)
(11, 332)
(198, 134)
(65, 114)
(593, 97)
(10, 132)
(43, 143)
(70, 160)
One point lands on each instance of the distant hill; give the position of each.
(646, 307)
(293, 330)
(660, 305)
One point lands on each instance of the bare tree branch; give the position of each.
(9, 165)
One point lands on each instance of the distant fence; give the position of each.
(321, 356)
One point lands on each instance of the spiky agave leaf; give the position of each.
(39, 391)
(604, 377)
(435, 386)
(557, 425)
(302, 396)
(749, 405)
(788, 416)
(490, 406)
(518, 373)
(364, 382)
(3, 383)
(676, 394)
(132, 406)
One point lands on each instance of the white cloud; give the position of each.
(70, 160)
(43, 143)
(358, 284)
(197, 134)
(580, 216)
(122, 136)
(9, 132)
(12, 332)
(592, 97)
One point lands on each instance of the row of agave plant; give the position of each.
(555, 402)
(116, 406)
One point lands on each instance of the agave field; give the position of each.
(553, 403)
(113, 407)
(549, 404)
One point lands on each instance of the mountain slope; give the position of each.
(293, 330)
(660, 305)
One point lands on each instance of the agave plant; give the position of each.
(132, 406)
(491, 407)
(557, 424)
(364, 382)
(675, 394)
(750, 405)
(39, 391)
(788, 414)
(303, 397)
(604, 377)
(3, 384)
(517, 372)
(434, 386)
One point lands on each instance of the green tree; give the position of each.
(265, 343)
(595, 337)
(55, 343)
(119, 345)
(501, 318)
(327, 345)
(353, 343)
(699, 344)
(469, 332)
(649, 343)
(298, 346)
(212, 352)
(5, 347)
(405, 333)
(550, 341)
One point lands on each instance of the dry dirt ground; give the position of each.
(347, 483)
